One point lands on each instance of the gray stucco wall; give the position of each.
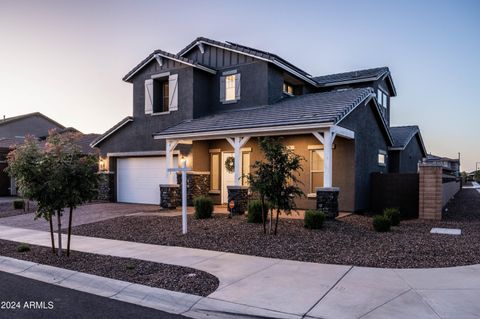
(410, 156)
(369, 139)
(34, 125)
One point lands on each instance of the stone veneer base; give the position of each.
(327, 201)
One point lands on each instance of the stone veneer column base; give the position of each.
(239, 194)
(327, 201)
(170, 196)
(106, 186)
(198, 184)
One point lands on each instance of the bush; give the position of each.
(18, 204)
(393, 214)
(314, 219)
(23, 248)
(381, 223)
(203, 207)
(254, 214)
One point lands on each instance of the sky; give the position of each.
(66, 59)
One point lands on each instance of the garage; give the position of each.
(138, 179)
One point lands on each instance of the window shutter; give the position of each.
(173, 92)
(149, 96)
(223, 80)
(237, 86)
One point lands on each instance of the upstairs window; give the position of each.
(382, 98)
(288, 88)
(230, 87)
(161, 94)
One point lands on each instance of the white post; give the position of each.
(237, 144)
(170, 146)
(184, 198)
(327, 141)
(327, 158)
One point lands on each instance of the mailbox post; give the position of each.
(184, 171)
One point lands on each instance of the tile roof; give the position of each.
(10, 142)
(403, 134)
(245, 49)
(305, 109)
(351, 76)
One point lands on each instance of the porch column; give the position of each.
(237, 143)
(170, 146)
(327, 140)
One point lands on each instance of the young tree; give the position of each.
(276, 178)
(57, 176)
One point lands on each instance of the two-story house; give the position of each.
(209, 102)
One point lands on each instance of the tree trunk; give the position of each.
(51, 232)
(59, 219)
(276, 221)
(264, 215)
(271, 218)
(69, 231)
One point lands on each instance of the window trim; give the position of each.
(311, 149)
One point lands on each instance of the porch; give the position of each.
(328, 152)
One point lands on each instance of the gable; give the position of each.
(164, 60)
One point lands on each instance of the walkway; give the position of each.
(85, 214)
(275, 288)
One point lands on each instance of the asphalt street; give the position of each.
(27, 298)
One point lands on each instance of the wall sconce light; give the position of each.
(102, 164)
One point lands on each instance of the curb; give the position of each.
(156, 298)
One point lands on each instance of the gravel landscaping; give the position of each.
(348, 241)
(7, 210)
(176, 278)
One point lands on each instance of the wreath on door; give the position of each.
(230, 164)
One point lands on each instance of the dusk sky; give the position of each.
(66, 59)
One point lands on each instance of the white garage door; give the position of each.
(138, 179)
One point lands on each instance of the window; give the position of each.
(288, 88)
(316, 169)
(230, 87)
(215, 171)
(160, 95)
(382, 155)
(382, 98)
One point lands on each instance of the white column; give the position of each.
(184, 198)
(170, 146)
(327, 158)
(237, 143)
(327, 140)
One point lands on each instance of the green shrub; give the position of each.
(254, 214)
(381, 223)
(393, 214)
(314, 219)
(23, 248)
(203, 207)
(18, 204)
(130, 266)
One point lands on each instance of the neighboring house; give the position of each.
(13, 131)
(451, 166)
(211, 100)
(407, 151)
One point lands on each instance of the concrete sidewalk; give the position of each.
(275, 288)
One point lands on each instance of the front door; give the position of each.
(228, 178)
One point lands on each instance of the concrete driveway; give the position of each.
(85, 214)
